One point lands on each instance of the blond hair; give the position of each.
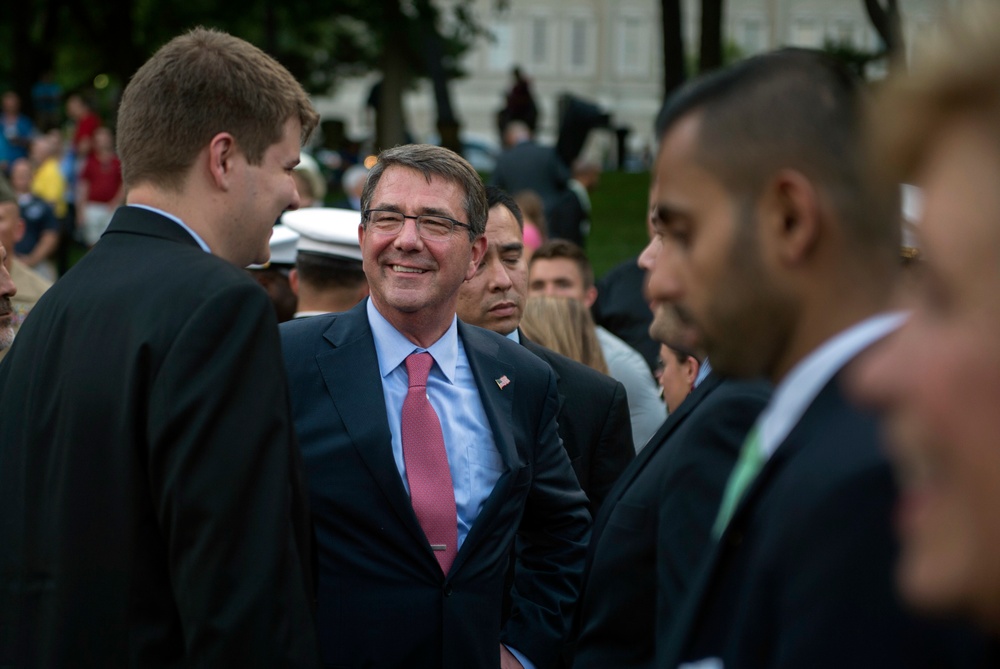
(565, 326)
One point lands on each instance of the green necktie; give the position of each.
(746, 469)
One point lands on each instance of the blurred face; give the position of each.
(11, 103)
(103, 140)
(937, 382)
(559, 277)
(20, 175)
(414, 282)
(494, 297)
(11, 227)
(263, 192)
(7, 291)
(675, 377)
(704, 258)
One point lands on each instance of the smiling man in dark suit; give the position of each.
(429, 444)
(773, 237)
(593, 410)
(151, 506)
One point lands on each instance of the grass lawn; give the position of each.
(618, 229)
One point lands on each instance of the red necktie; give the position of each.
(431, 490)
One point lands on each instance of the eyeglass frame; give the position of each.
(366, 216)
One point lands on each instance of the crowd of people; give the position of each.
(395, 433)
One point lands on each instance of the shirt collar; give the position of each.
(703, 372)
(803, 383)
(197, 237)
(392, 347)
(514, 336)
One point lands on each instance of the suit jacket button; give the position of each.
(447, 591)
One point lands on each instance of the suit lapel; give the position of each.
(687, 621)
(351, 373)
(659, 439)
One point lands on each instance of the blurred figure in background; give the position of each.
(565, 326)
(309, 181)
(48, 181)
(560, 267)
(99, 189)
(16, 131)
(30, 284)
(41, 227)
(937, 381)
(535, 227)
(353, 182)
(676, 375)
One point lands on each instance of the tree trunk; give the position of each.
(674, 71)
(433, 54)
(390, 123)
(710, 50)
(887, 23)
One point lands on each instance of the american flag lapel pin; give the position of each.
(503, 382)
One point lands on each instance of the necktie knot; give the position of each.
(418, 367)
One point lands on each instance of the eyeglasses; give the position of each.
(429, 226)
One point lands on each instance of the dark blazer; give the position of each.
(803, 574)
(383, 601)
(652, 533)
(152, 511)
(531, 166)
(594, 423)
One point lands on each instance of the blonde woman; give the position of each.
(565, 326)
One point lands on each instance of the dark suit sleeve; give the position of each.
(688, 507)
(223, 478)
(551, 547)
(830, 575)
(614, 451)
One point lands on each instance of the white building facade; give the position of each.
(609, 52)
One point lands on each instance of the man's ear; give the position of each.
(590, 296)
(791, 215)
(222, 150)
(293, 281)
(691, 368)
(478, 251)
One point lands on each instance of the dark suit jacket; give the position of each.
(594, 423)
(653, 532)
(152, 511)
(531, 166)
(383, 601)
(803, 574)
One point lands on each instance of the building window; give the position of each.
(753, 36)
(501, 53)
(806, 33)
(578, 43)
(539, 40)
(633, 46)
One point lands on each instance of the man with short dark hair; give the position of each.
(561, 268)
(593, 411)
(430, 445)
(651, 538)
(773, 238)
(151, 505)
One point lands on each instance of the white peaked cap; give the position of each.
(325, 230)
